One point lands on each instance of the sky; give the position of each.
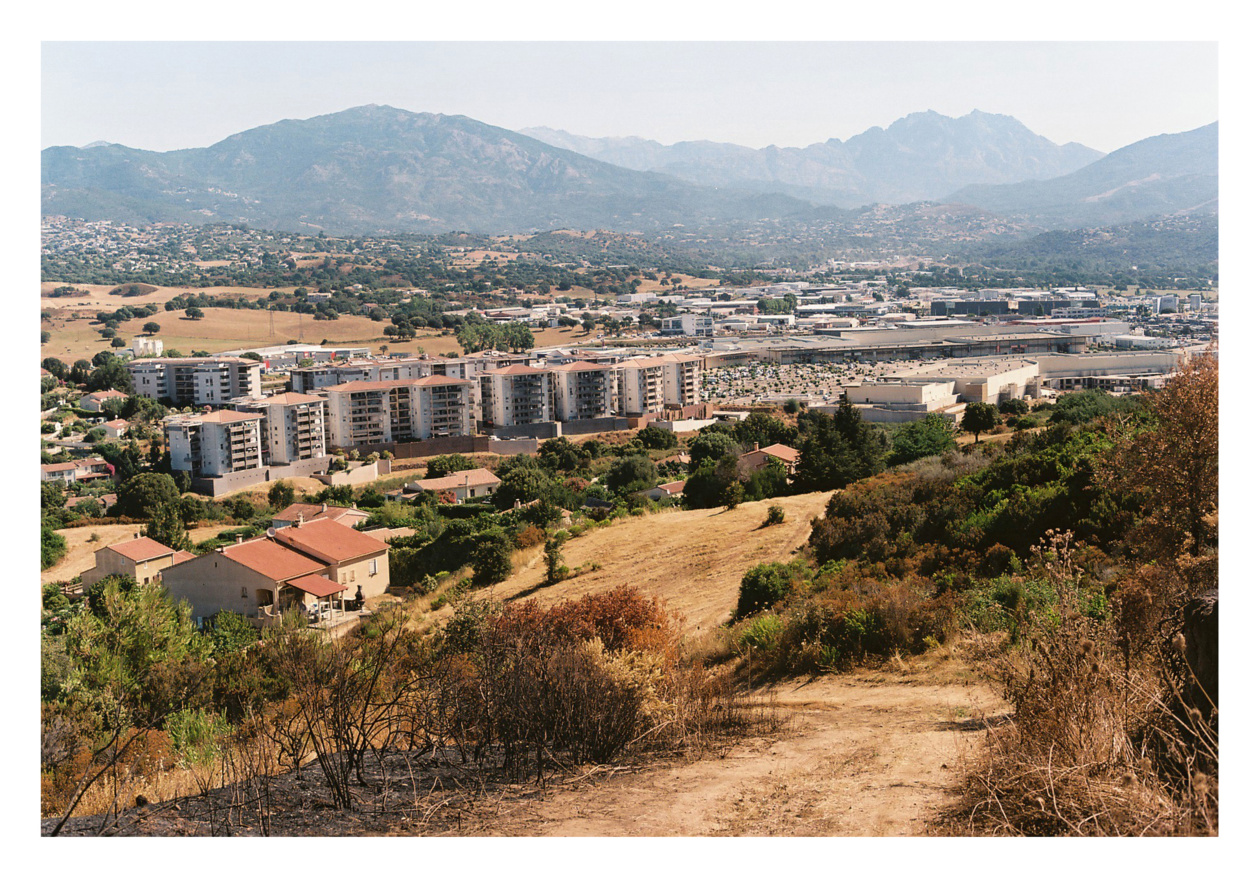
(173, 95)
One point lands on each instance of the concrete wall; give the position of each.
(533, 429)
(213, 583)
(243, 480)
(442, 446)
(363, 473)
(682, 424)
(357, 573)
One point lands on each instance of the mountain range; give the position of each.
(376, 169)
(922, 157)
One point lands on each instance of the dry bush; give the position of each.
(1100, 741)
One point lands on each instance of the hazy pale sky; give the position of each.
(163, 96)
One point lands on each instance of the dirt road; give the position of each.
(861, 755)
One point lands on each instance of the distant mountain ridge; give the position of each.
(1164, 174)
(922, 157)
(376, 169)
(380, 169)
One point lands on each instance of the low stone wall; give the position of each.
(594, 426)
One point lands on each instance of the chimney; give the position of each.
(239, 539)
(756, 447)
(301, 518)
(323, 507)
(137, 535)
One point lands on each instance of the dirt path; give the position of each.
(857, 757)
(694, 560)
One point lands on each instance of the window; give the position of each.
(371, 567)
(244, 592)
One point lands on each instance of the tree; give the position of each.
(112, 374)
(1014, 407)
(194, 312)
(165, 525)
(631, 474)
(929, 436)
(56, 367)
(491, 560)
(559, 455)
(117, 342)
(653, 437)
(979, 417)
(144, 493)
(1173, 468)
(280, 495)
(711, 446)
(440, 466)
(52, 547)
(555, 568)
(151, 327)
(839, 450)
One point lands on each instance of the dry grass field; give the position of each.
(693, 560)
(74, 335)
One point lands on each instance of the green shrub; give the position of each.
(762, 633)
(776, 514)
(763, 587)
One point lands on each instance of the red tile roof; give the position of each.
(471, 477)
(316, 512)
(140, 549)
(581, 366)
(317, 585)
(272, 559)
(229, 416)
(515, 370)
(330, 541)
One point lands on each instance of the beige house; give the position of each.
(459, 486)
(140, 558)
(315, 567)
(762, 456)
(352, 559)
(300, 512)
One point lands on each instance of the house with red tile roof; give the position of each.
(762, 456)
(300, 512)
(141, 558)
(319, 567)
(459, 485)
(95, 401)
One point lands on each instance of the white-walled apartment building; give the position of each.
(516, 395)
(293, 426)
(196, 381)
(647, 385)
(472, 367)
(583, 390)
(309, 379)
(384, 412)
(215, 444)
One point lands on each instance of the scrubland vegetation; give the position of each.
(1059, 564)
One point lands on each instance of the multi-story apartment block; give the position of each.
(308, 379)
(640, 385)
(516, 395)
(683, 375)
(196, 381)
(293, 426)
(363, 413)
(215, 444)
(583, 390)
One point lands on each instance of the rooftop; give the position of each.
(330, 541)
(471, 477)
(140, 549)
(271, 559)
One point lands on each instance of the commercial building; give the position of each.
(196, 382)
(215, 444)
(687, 324)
